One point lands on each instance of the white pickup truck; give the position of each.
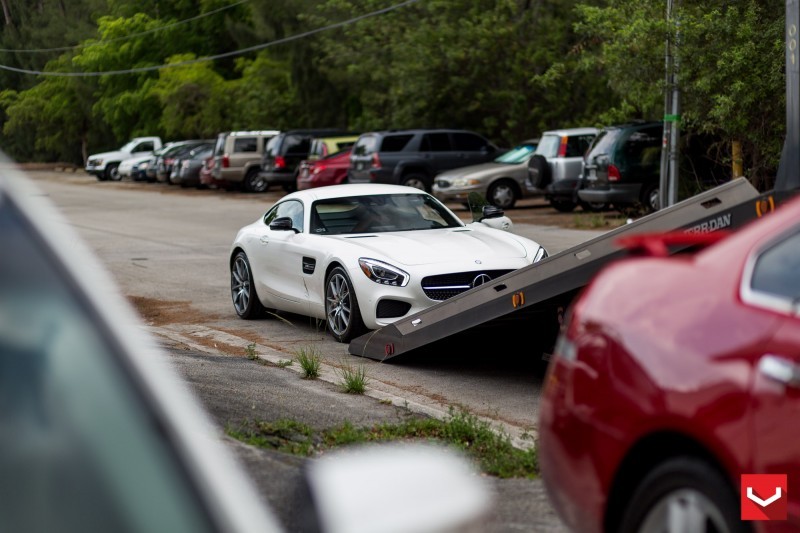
(106, 165)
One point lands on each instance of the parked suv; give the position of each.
(415, 157)
(622, 167)
(286, 150)
(237, 159)
(555, 167)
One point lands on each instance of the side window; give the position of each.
(643, 148)
(395, 143)
(290, 208)
(364, 146)
(146, 146)
(296, 144)
(70, 410)
(469, 142)
(245, 144)
(435, 142)
(777, 270)
(578, 144)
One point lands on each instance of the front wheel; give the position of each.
(683, 494)
(341, 307)
(243, 289)
(112, 172)
(502, 194)
(418, 181)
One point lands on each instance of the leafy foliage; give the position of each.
(506, 68)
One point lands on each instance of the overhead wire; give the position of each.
(233, 53)
(124, 37)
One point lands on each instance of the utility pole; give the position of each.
(668, 185)
(789, 167)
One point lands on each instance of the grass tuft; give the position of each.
(250, 351)
(491, 451)
(354, 378)
(310, 361)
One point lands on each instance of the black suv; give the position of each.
(622, 167)
(415, 157)
(286, 150)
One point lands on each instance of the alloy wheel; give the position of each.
(338, 304)
(685, 510)
(240, 285)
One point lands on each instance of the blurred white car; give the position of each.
(128, 166)
(362, 256)
(98, 434)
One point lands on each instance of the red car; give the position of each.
(673, 377)
(330, 170)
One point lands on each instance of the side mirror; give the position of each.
(397, 488)
(491, 211)
(282, 224)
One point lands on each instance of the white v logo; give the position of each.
(764, 503)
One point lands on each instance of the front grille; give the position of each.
(446, 286)
(392, 308)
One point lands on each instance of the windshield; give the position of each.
(380, 213)
(128, 146)
(548, 145)
(518, 154)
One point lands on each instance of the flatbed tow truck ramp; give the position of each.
(534, 298)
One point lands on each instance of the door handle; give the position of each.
(264, 239)
(780, 369)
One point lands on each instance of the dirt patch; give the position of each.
(162, 312)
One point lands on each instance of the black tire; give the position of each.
(683, 484)
(416, 180)
(254, 182)
(342, 314)
(243, 289)
(593, 207)
(503, 194)
(650, 198)
(539, 171)
(563, 206)
(111, 172)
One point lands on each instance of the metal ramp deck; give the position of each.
(553, 282)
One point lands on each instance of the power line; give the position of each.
(214, 57)
(126, 37)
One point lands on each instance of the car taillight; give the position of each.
(226, 161)
(376, 161)
(613, 173)
(280, 162)
(562, 148)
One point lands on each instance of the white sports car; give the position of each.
(362, 256)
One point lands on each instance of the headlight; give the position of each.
(96, 162)
(465, 182)
(540, 254)
(383, 273)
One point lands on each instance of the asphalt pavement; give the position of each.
(236, 390)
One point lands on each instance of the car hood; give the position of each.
(477, 171)
(115, 155)
(131, 161)
(440, 245)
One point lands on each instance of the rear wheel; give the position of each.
(418, 181)
(502, 194)
(683, 494)
(650, 198)
(243, 289)
(563, 206)
(254, 182)
(341, 307)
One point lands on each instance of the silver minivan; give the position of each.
(556, 166)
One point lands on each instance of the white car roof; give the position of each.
(572, 131)
(351, 189)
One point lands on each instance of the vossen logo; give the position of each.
(722, 221)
